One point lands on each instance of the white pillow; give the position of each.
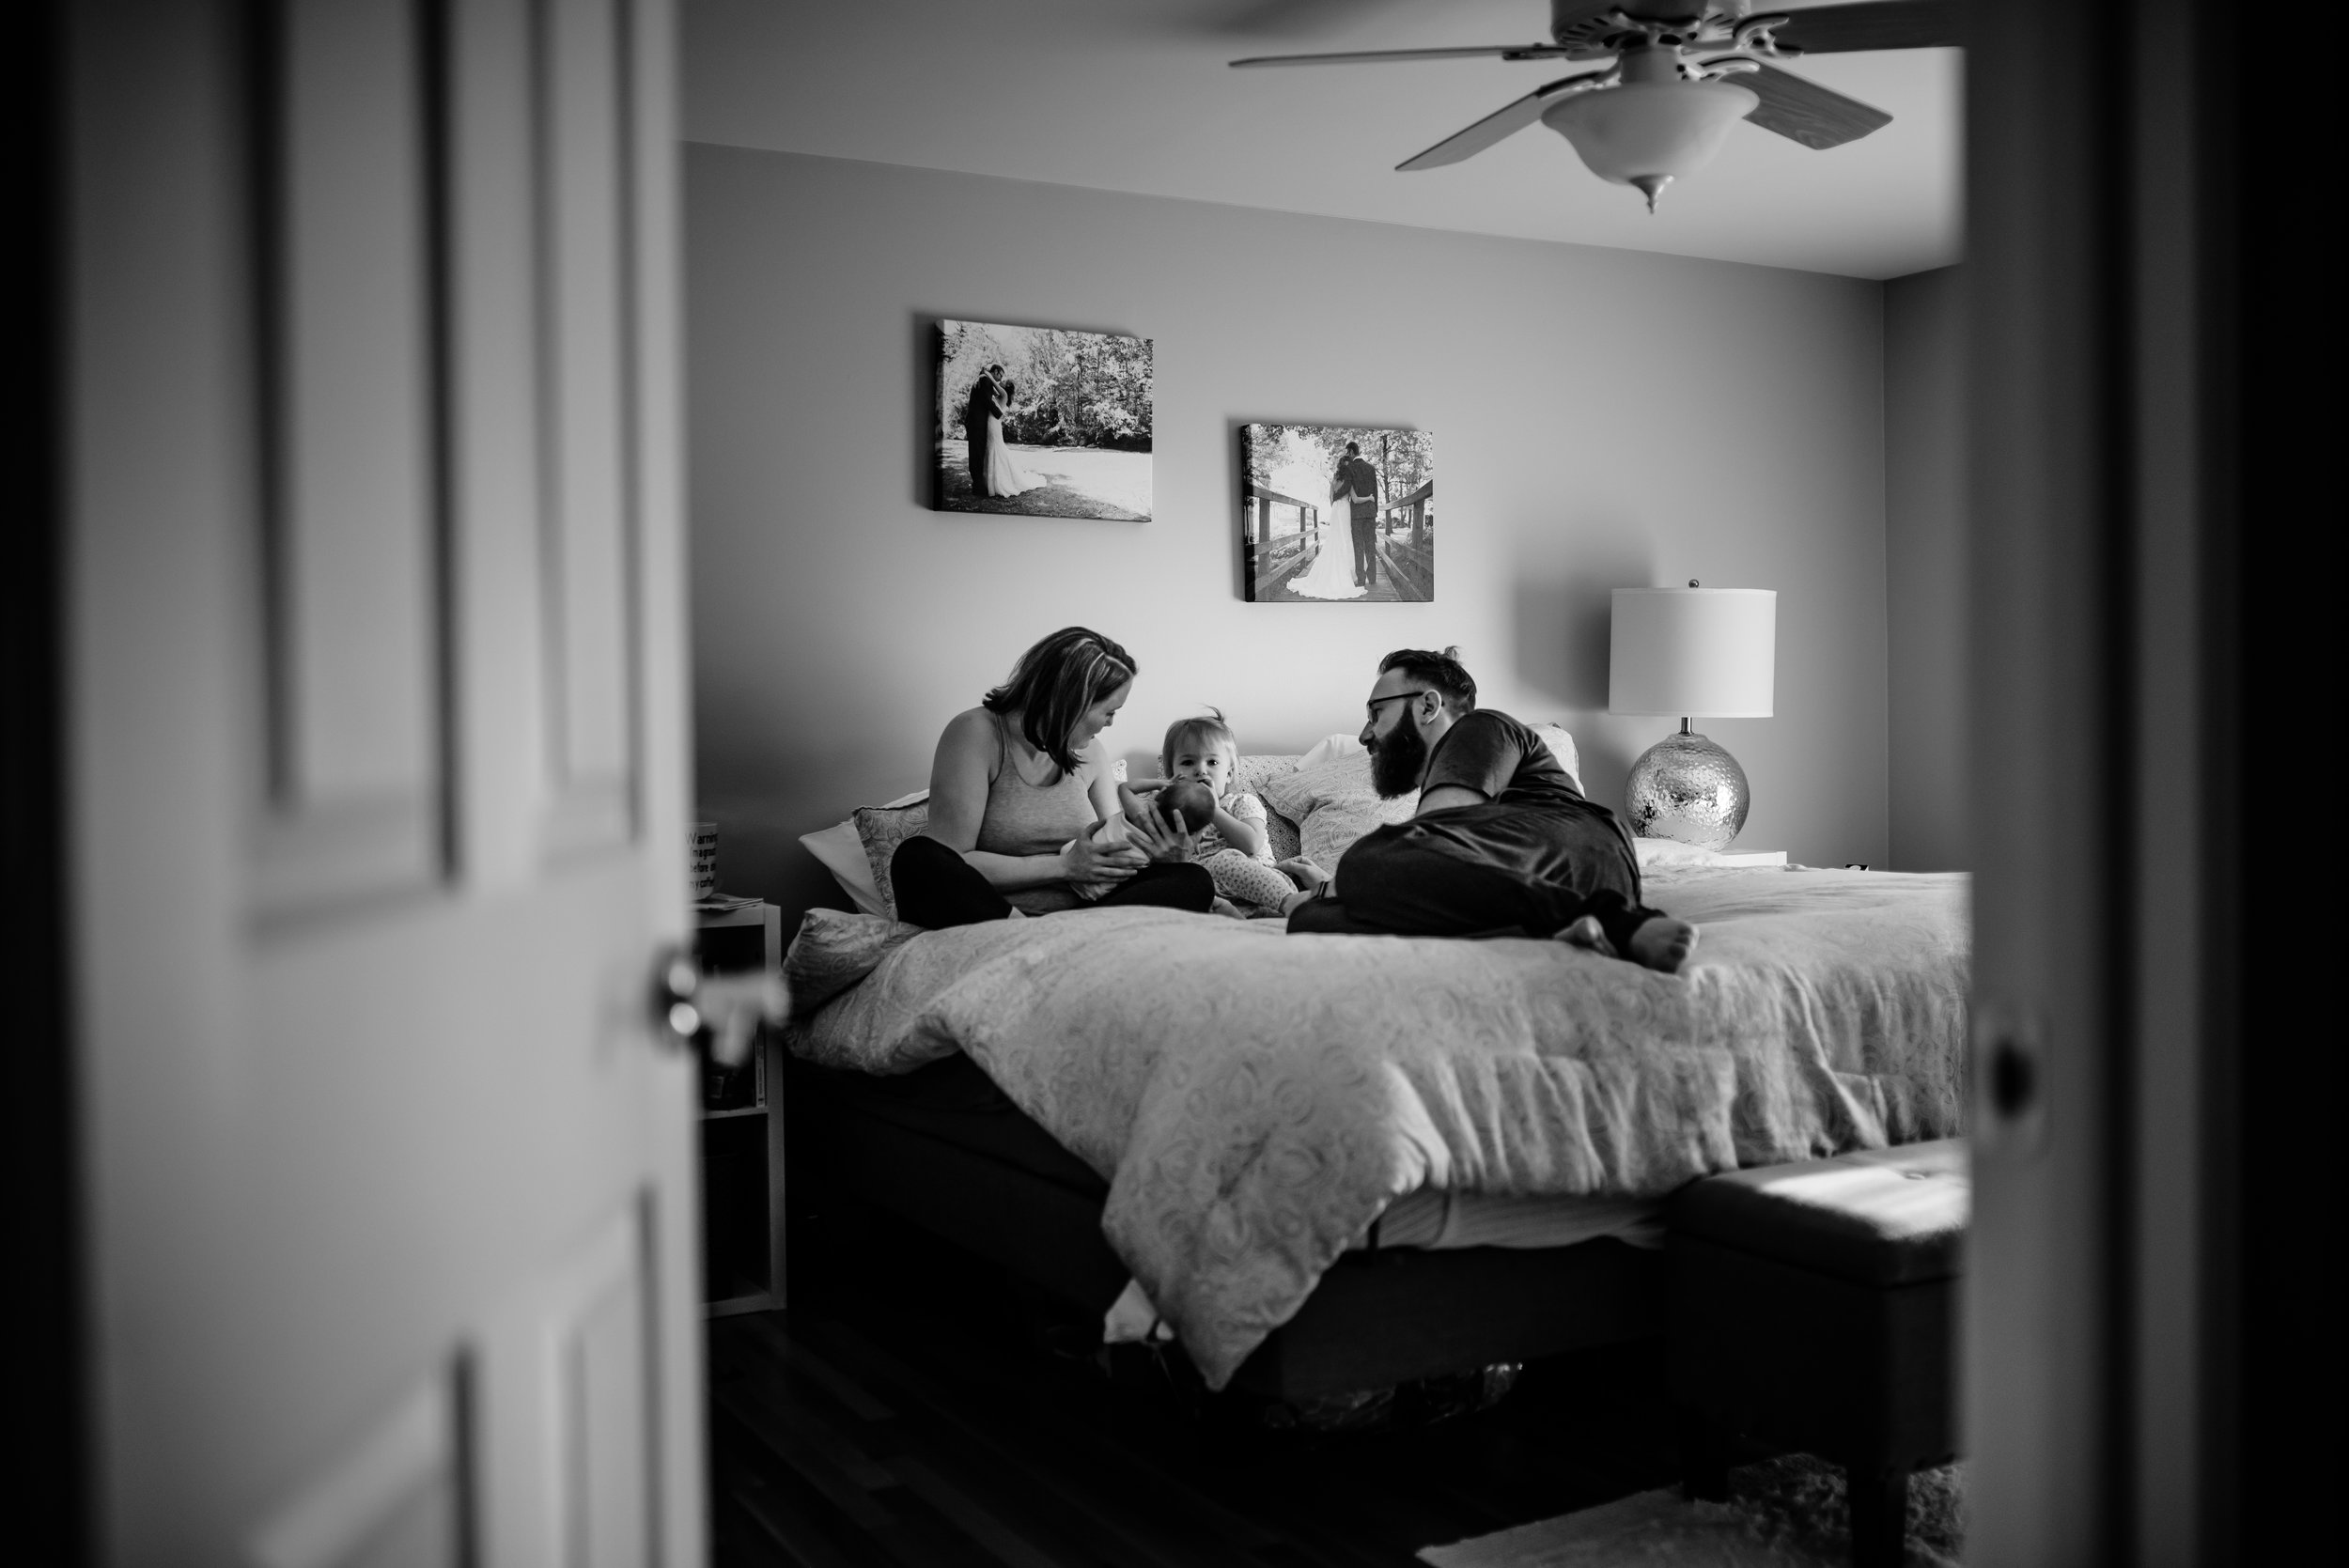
(842, 851)
(843, 854)
(1339, 745)
(1560, 746)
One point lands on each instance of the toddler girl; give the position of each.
(1199, 757)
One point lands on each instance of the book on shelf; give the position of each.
(722, 904)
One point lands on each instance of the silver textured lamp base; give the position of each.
(1686, 788)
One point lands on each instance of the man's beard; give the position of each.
(1397, 759)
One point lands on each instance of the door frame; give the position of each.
(2153, 1293)
(47, 1415)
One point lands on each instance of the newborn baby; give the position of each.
(1185, 805)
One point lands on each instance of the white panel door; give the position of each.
(377, 762)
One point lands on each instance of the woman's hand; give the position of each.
(1306, 875)
(1104, 864)
(1151, 833)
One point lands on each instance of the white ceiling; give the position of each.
(1134, 95)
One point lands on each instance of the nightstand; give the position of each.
(742, 1135)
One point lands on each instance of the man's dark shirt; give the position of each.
(1501, 759)
(1533, 825)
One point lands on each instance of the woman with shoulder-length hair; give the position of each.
(1017, 786)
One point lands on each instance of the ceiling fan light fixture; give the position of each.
(1645, 133)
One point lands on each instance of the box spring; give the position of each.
(942, 1149)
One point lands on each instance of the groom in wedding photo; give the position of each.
(1358, 477)
(987, 402)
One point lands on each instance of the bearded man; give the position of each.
(1502, 843)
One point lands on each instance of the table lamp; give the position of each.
(1691, 653)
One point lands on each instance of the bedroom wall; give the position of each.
(1924, 516)
(1603, 419)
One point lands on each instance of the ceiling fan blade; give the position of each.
(1375, 56)
(1877, 24)
(1501, 123)
(1803, 111)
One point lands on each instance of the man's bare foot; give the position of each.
(1585, 933)
(1663, 943)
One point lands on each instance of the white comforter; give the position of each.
(1256, 1099)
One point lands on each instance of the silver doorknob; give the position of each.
(717, 1012)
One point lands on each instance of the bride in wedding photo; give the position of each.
(1004, 477)
(1335, 573)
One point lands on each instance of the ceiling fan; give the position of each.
(1664, 105)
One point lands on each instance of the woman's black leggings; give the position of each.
(937, 888)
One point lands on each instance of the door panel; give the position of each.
(395, 1500)
(390, 1198)
(344, 207)
(596, 1332)
(582, 102)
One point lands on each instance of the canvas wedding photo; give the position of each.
(1338, 514)
(1043, 422)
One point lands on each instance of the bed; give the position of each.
(1263, 1133)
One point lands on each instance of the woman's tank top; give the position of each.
(1024, 818)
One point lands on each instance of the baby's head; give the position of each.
(1187, 803)
(1203, 749)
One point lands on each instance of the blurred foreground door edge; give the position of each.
(376, 758)
(2152, 1300)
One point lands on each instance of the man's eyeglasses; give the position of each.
(1371, 707)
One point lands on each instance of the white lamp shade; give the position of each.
(1689, 653)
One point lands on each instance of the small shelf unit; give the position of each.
(741, 1144)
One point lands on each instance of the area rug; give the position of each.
(1789, 1513)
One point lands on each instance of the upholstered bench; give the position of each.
(1814, 1305)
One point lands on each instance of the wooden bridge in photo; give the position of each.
(1406, 543)
(1403, 551)
(1273, 556)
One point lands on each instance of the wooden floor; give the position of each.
(865, 1429)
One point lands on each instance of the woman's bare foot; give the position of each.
(1585, 933)
(1663, 943)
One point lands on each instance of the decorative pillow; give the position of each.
(1252, 775)
(1281, 835)
(1333, 804)
(842, 851)
(882, 828)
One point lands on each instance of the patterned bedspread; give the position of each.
(1255, 1100)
